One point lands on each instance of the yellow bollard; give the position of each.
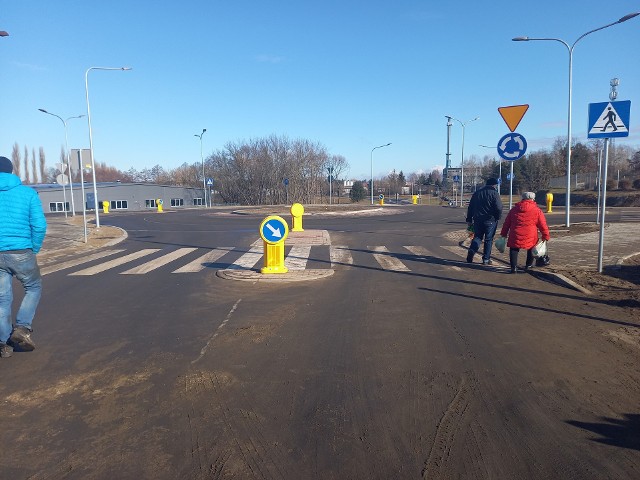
(159, 204)
(414, 199)
(105, 206)
(274, 230)
(549, 202)
(297, 210)
(381, 199)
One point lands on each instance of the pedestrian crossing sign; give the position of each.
(609, 119)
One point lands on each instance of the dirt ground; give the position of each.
(620, 285)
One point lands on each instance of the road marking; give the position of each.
(298, 257)
(204, 261)
(248, 260)
(79, 261)
(116, 262)
(228, 317)
(158, 262)
(340, 255)
(386, 261)
(419, 251)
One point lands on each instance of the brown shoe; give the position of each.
(21, 338)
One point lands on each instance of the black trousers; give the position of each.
(513, 257)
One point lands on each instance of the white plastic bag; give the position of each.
(540, 250)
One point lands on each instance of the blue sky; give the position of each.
(351, 75)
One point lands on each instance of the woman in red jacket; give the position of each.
(522, 225)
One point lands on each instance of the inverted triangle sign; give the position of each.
(512, 115)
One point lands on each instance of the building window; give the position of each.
(119, 205)
(199, 202)
(150, 203)
(58, 207)
(177, 202)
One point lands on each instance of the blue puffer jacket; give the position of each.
(22, 222)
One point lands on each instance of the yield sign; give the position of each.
(512, 115)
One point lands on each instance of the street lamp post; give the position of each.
(204, 188)
(371, 185)
(93, 166)
(499, 167)
(464, 124)
(66, 145)
(570, 50)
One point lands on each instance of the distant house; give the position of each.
(121, 196)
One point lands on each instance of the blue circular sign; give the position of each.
(274, 229)
(512, 146)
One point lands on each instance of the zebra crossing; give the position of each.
(234, 258)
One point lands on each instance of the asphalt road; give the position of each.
(427, 368)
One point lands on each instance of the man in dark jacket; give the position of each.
(484, 212)
(22, 230)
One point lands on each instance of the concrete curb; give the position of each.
(291, 276)
(560, 280)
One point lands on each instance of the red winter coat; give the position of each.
(522, 224)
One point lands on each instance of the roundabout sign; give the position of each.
(512, 146)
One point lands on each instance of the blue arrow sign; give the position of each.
(274, 229)
(609, 119)
(512, 146)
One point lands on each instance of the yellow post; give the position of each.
(381, 199)
(105, 206)
(549, 202)
(414, 199)
(274, 230)
(159, 204)
(297, 210)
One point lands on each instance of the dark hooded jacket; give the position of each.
(485, 204)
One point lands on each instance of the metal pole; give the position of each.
(511, 187)
(599, 184)
(604, 204)
(93, 165)
(379, 146)
(84, 203)
(204, 188)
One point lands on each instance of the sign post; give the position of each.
(607, 120)
(274, 230)
(512, 146)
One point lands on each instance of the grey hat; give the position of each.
(528, 196)
(5, 165)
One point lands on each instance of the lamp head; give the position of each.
(126, 68)
(3, 33)
(628, 17)
(520, 39)
(43, 110)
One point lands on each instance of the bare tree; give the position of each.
(42, 163)
(27, 176)
(15, 158)
(33, 165)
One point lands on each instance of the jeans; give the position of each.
(483, 229)
(24, 266)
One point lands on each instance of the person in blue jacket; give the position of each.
(22, 231)
(484, 212)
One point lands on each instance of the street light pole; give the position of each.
(371, 185)
(204, 188)
(464, 124)
(570, 49)
(93, 165)
(66, 144)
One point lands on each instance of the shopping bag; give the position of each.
(501, 244)
(540, 250)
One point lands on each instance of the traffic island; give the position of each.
(291, 276)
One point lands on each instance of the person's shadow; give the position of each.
(619, 432)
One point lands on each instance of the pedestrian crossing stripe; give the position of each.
(340, 256)
(609, 119)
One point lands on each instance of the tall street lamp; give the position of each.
(93, 166)
(464, 124)
(66, 145)
(570, 50)
(379, 146)
(204, 188)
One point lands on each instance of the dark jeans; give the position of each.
(483, 230)
(513, 257)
